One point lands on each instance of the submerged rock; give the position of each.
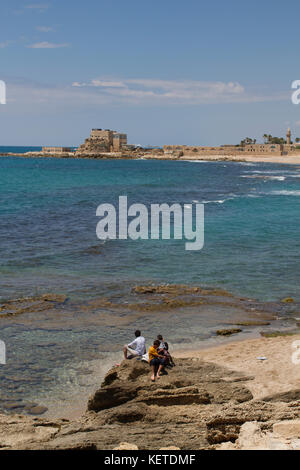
(31, 304)
(274, 334)
(37, 410)
(253, 323)
(228, 332)
(179, 289)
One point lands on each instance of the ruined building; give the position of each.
(103, 141)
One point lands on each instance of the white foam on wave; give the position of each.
(246, 164)
(265, 177)
(285, 193)
(230, 197)
(268, 172)
(220, 201)
(197, 161)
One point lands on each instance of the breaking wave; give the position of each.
(285, 193)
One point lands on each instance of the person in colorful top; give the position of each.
(156, 360)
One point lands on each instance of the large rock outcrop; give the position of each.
(196, 406)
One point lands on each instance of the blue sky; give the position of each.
(164, 72)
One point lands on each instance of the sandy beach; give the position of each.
(276, 374)
(245, 158)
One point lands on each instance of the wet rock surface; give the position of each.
(22, 407)
(40, 330)
(228, 332)
(197, 405)
(31, 304)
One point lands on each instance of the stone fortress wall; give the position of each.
(103, 141)
(228, 150)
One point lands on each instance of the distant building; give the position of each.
(56, 149)
(255, 149)
(262, 149)
(119, 141)
(103, 141)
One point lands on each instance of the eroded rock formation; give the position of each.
(196, 406)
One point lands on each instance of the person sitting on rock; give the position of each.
(137, 348)
(156, 360)
(164, 350)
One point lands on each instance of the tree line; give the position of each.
(268, 139)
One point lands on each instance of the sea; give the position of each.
(57, 356)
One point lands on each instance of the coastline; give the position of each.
(239, 354)
(222, 398)
(276, 374)
(289, 160)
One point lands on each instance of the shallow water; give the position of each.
(48, 244)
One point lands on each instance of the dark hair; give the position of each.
(137, 333)
(156, 343)
(160, 337)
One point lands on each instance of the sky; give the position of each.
(164, 72)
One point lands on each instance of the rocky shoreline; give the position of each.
(198, 405)
(295, 159)
(27, 388)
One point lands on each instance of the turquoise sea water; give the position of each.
(18, 149)
(48, 223)
(48, 243)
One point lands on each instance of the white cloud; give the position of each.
(156, 91)
(108, 84)
(136, 92)
(37, 6)
(5, 44)
(47, 45)
(44, 29)
(79, 85)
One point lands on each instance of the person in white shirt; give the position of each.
(136, 348)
